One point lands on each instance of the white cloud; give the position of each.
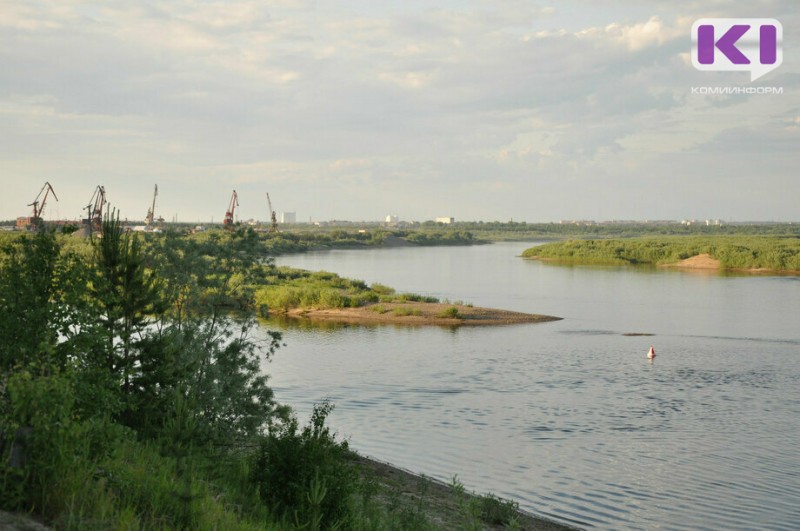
(641, 35)
(477, 96)
(344, 165)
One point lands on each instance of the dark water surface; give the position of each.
(569, 418)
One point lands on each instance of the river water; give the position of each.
(569, 418)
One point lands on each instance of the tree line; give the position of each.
(734, 252)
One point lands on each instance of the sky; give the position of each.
(481, 110)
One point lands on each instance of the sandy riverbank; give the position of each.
(419, 314)
(701, 261)
(705, 262)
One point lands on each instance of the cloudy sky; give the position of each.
(477, 109)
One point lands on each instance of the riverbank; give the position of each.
(449, 506)
(701, 261)
(419, 314)
(424, 500)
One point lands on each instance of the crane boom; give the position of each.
(234, 202)
(95, 209)
(151, 214)
(273, 218)
(38, 205)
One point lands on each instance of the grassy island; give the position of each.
(324, 296)
(733, 253)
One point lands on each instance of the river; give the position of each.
(569, 418)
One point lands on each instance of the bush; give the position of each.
(305, 476)
(449, 313)
(331, 298)
(59, 448)
(364, 298)
(278, 298)
(380, 289)
(496, 511)
(403, 311)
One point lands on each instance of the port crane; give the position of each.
(228, 221)
(273, 227)
(151, 213)
(35, 221)
(94, 209)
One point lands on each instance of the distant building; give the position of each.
(392, 219)
(446, 221)
(288, 217)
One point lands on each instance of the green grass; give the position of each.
(449, 313)
(403, 311)
(287, 288)
(298, 478)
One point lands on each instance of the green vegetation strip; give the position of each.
(772, 253)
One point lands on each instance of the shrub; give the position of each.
(305, 476)
(364, 298)
(450, 313)
(59, 448)
(331, 298)
(276, 298)
(496, 511)
(380, 289)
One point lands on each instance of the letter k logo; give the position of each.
(752, 45)
(726, 44)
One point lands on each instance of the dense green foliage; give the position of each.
(494, 230)
(733, 252)
(132, 391)
(287, 288)
(314, 238)
(97, 351)
(105, 347)
(306, 472)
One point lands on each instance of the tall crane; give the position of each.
(35, 221)
(273, 218)
(94, 210)
(151, 213)
(228, 221)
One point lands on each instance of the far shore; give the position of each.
(419, 314)
(700, 262)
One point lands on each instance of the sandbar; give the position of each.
(419, 314)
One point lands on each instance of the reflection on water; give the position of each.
(569, 418)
